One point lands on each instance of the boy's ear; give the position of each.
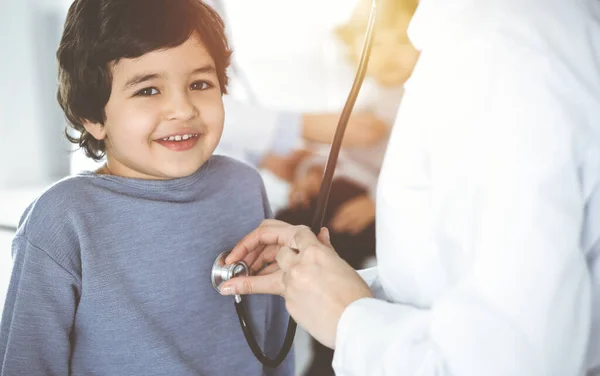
(97, 130)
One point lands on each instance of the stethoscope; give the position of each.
(222, 272)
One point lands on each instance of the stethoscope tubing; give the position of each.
(323, 197)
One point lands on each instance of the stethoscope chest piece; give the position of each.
(222, 272)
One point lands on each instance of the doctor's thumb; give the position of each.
(267, 284)
(324, 237)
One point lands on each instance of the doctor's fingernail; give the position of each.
(326, 233)
(227, 290)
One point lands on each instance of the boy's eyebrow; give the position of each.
(205, 69)
(138, 79)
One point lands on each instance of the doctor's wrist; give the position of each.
(345, 320)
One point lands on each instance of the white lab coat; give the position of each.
(488, 212)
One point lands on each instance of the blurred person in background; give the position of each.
(279, 133)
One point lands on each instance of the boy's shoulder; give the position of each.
(241, 183)
(52, 222)
(57, 202)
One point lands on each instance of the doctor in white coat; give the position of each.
(488, 208)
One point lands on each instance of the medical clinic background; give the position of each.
(283, 61)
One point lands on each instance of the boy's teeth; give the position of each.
(178, 137)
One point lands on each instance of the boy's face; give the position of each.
(164, 117)
(393, 57)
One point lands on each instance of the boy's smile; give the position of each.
(180, 142)
(164, 117)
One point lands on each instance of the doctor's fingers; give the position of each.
(258, 260)
(262, 266)
(304, 239)
(315, 255)
(270, 232)
(264, 284)
(325, 237)
(273, 233)
(286, 258)
(269, 269)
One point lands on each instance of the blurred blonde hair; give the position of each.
(391, 14)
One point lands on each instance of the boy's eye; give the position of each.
(147, 92)
(201, 85)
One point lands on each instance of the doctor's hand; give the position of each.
(364, 128)
(316, 283)
(354, 215)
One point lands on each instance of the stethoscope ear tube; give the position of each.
(336, 145)
(322, 199)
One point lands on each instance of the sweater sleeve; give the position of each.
(38, 314)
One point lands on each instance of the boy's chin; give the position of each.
(181, 171)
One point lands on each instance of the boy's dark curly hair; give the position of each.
(99, 32)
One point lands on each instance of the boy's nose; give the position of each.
(180, 107)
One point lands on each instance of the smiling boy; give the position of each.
(111, 268)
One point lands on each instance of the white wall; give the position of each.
(284, 47)
(32, 149)
(5, 265)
